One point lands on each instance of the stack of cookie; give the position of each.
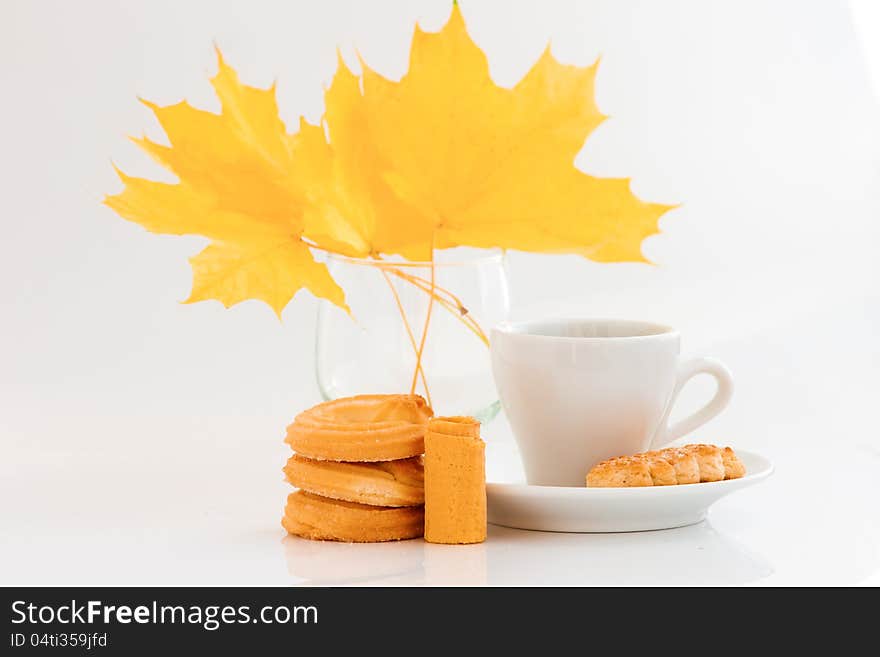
(358, 468)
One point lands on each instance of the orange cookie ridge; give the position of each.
(322, 518)
(709, 459)
(364, 428)
(382, 483)
(733, 467)
(620, 472)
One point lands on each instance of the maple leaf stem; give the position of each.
(409, 332)
(456, 309)
(452, 303)
(425, 284)
(431, 298)
(393, 267)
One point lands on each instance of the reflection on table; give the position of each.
(695, 555)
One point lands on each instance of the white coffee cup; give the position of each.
(577, 391)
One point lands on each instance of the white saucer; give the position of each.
(582, 509)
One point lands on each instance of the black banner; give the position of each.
(152, 620)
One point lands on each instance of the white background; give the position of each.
(131, 423)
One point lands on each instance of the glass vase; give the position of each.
(415, 326)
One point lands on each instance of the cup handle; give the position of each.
(686, 371)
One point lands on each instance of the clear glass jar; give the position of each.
(375, 351)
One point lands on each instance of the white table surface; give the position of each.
(181, 522)
(187, 500)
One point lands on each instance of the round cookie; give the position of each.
(322, 518)
(383, 483)
(362, 428)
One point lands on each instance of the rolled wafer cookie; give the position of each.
(326, 519)
(455, 481)
(383, 483)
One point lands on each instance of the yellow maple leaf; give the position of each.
(350, 205)
(235, 187)
(471, 163)
(443, 157)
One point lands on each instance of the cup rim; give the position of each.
(522, 328)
